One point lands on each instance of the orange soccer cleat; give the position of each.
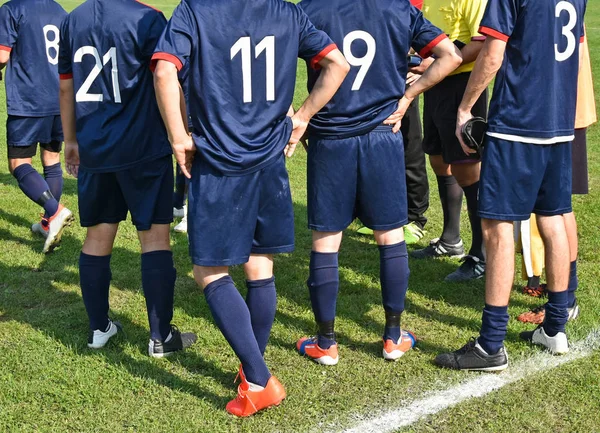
(249, 402)
(393, 351)
(308, 346)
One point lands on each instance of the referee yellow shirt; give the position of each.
(459, 19)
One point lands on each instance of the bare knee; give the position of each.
(155, 239)
(389, 237)
(100, 239)
(204, 275)
(439, 167)
(13, 163)
(552, 229)
(497, 232)
(259, 267)
(466, 174)
(326, 242)
(49, 158)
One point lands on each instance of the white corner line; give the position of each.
(484, 383)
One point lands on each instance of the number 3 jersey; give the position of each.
(535, 92)
(242, 57)
(106, 47)
(29, 30)
(375, 36)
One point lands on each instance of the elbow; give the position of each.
(345, 68)
(456, 58)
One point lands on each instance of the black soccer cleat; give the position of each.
(178, 342)
(438, 248)
(472, 357)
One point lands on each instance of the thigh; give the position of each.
(100, 199)
(148, 190)
(275, 220)
(510, 180)
(554, 195)
(381, 203)
(222, 216)
(331, 183)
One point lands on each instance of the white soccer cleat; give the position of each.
(180, 212)
(56, 224)
(98, 339)
(558, 345)
(182, 226)
(38, 229)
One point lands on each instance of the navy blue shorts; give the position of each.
(144, 190)
(354, 177)
(518, 179)
(231, 217)
(25, 131)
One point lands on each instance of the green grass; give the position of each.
(50, 381)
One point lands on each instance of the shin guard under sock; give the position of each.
(158, 282)
(394, 273)
(262, 303)
(94, 279)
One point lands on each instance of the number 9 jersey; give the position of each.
(375, 36)
(535, 92)
(106, 47)
(29, 30)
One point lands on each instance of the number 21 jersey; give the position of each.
(29, 30)
(106, 47)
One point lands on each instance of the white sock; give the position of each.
(254, 387)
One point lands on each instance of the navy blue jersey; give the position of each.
(29, 30)
(535, 92)
(242, 57)
(376, 36)
(106, 47)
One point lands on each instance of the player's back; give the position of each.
(243, 73)
(29, 29)
(375, 36)
(107, 47)
(536, 88)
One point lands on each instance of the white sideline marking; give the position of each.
(479, 386)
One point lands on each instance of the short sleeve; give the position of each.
(314, 44)
(500, 18)
(65, 66)
(472, 13)
(425, 36)
(175, 44)
(8, 28)
(155, 31)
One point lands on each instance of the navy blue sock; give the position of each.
(231, 315)
(573, 284)
(323, 285)
(94, 278)
(493, 328)
(556, 313)
(393, 273)
(262, 303)
(179, 194)
(54, 178)
(158, 282)
(35, 187)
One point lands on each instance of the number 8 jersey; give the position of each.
(535, 92)
(106, 47)
(29, 30)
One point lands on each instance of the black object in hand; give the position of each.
(473, 133)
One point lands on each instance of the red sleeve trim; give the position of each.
(478, 38)
(151, 7)
(426, 51)
(582, 39)
(5, 48)
(314, 63)
(66, 76)
(165, 56)
(493, 33)
(417, 3)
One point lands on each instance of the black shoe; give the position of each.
(472, 357)
(437, 248)
(179, 341)
(472, 268)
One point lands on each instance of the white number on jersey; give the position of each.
(52, 43)
(267, 45)
(364, 62)
(111, 56)
(567, 31)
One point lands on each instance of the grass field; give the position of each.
(51, 382)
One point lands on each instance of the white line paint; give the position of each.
(479, 386)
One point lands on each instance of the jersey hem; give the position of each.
(35, 115)
(68, 76)
(165, 56)
(5, 48)
(112, 169)
(532, 138)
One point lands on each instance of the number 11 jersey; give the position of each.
(106, 47)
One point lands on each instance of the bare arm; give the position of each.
(67, 116)
(169, 96)
(487, 65)
(335, 68)
(470, 51)
(448, 59)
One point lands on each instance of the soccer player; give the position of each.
(456, 172)
(29, 36)
(526, 160)
(356, 155)
(240, 209)
(117, 147)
